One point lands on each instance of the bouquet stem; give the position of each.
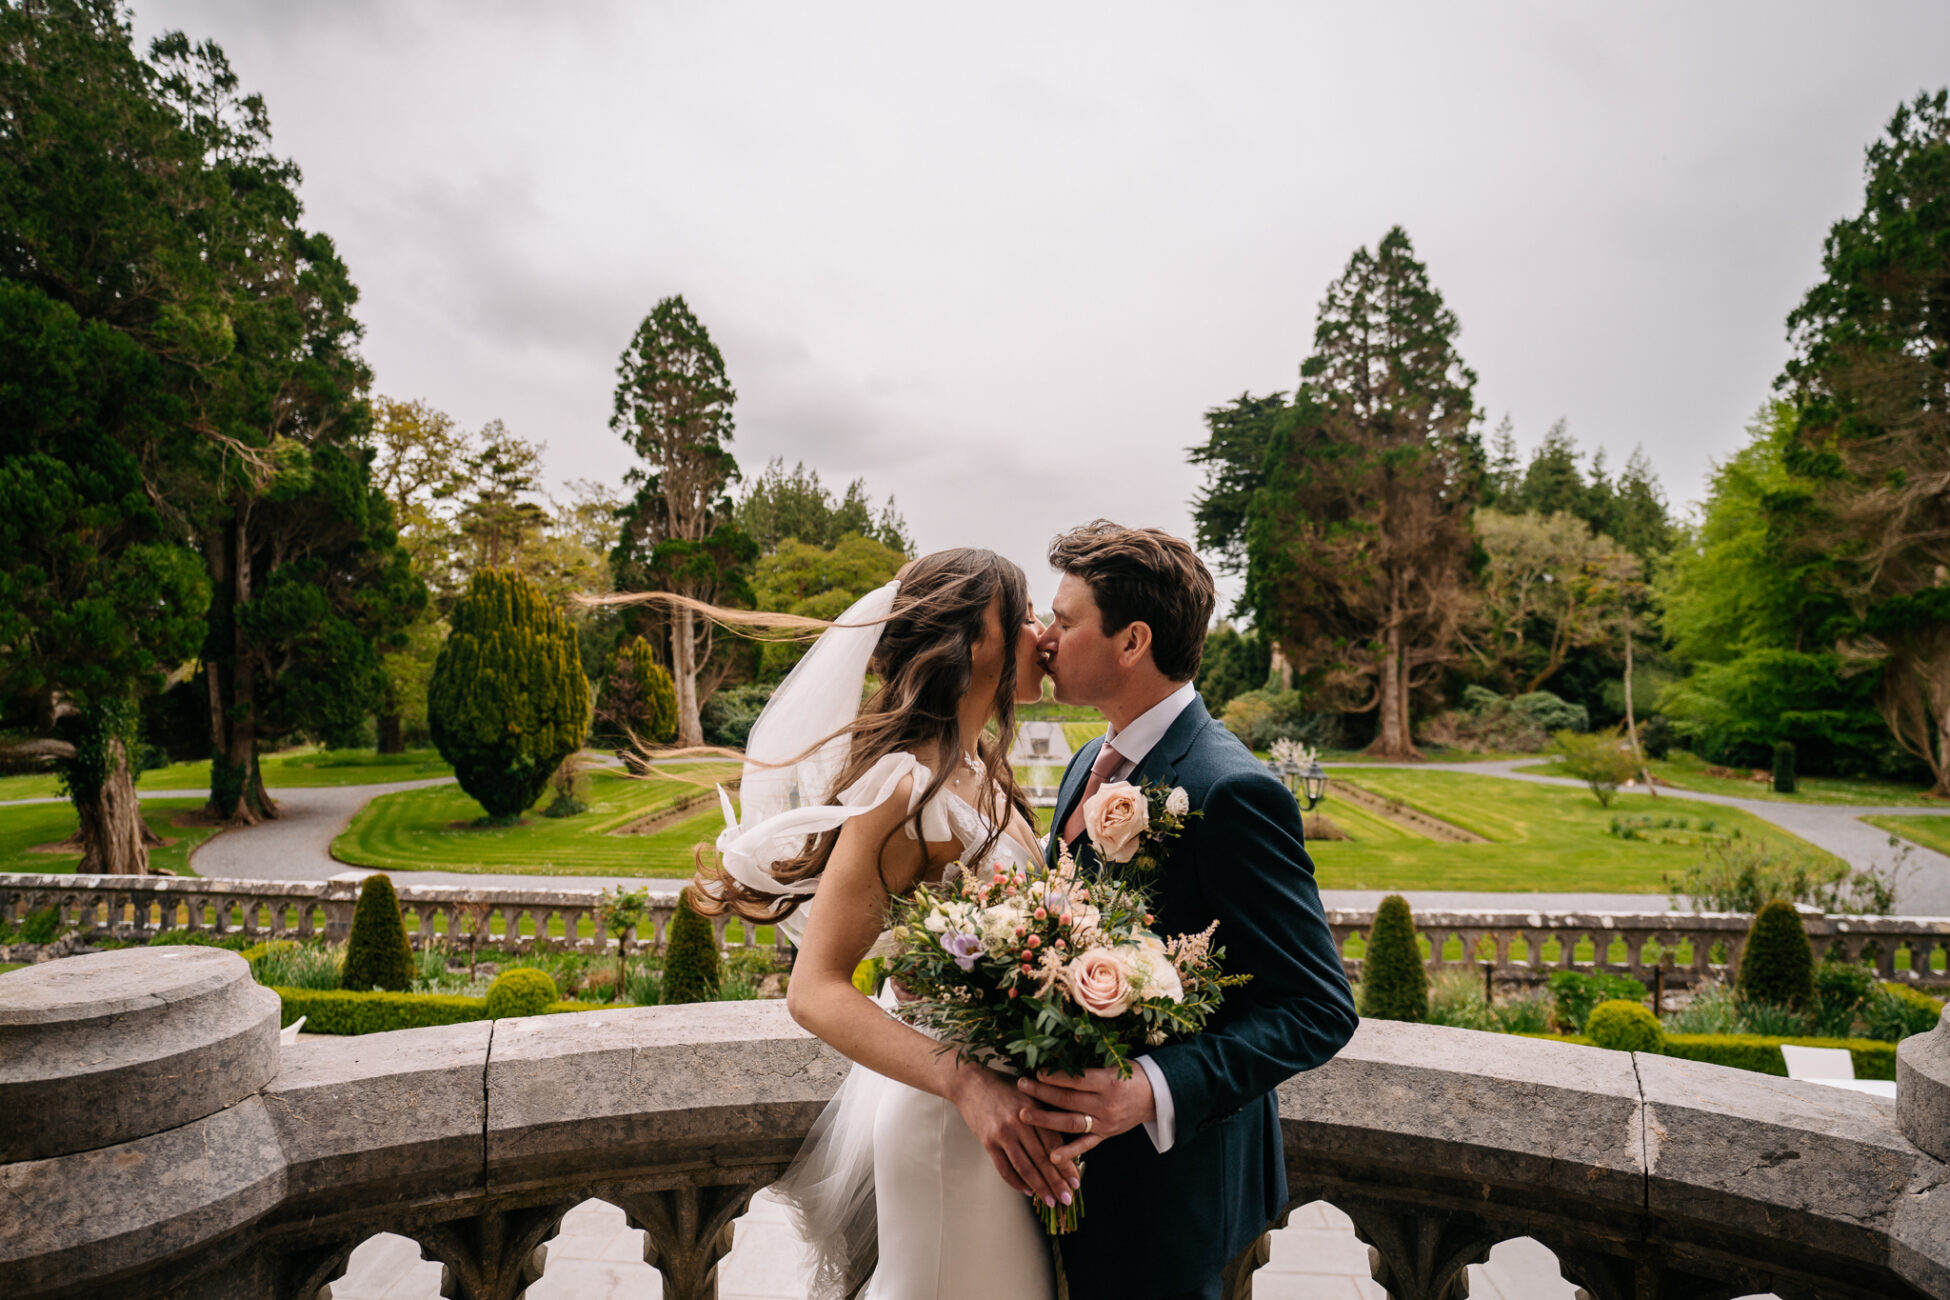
(1060, 1218)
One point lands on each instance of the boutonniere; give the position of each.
(1132, 825)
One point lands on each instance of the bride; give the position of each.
(916, 1178)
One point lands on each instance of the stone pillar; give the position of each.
(1923, 1088)
(129, 1117)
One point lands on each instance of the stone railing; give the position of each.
(1685, 946)
(158, 1142)
(141, 907)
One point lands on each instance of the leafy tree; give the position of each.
(674, 408)
(508, 701)
(1549, 586)
(1394, 982)
(1359, 542)
(377, 954)
(498, 516)
(618, 911)
(1598, 759)
(795, 505)
(1777, 965)
(1871, 342)
(1239, 438)
(816, 583)
(1234, 662)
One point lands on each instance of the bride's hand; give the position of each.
(993, 1110)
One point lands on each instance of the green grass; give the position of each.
(417, 830)
(1543, 838)
(308, 766)
(1930, 832)
(1689, 773)
(1079, 734)
(47, 823)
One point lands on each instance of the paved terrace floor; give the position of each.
(598, 1256)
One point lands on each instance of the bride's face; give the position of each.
(988, 654)
(1029, 661)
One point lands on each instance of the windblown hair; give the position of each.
(925, 665)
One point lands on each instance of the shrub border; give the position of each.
(1761, 1054)
(339, 1011)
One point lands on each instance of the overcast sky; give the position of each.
(998, 259)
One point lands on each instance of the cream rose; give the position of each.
(1151, 970)
(1178, 803)
(1116, 816)
(1100, 982)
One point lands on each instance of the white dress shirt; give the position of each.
(1133, 743)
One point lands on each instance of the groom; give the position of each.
(1185, 1163)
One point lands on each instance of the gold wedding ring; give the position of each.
(1089, 1122)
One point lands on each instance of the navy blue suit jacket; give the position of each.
(1162, 1224)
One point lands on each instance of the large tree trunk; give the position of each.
(1393, 738)
(234, 776)
(683, 672)
(392, 731)
(113, 838)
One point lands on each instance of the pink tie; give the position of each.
(1108, 760)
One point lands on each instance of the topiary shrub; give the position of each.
(523, 991)
(508, 701)
(690, 956)
(1625, 1027)
(639, 699)
(1784, 768)
(1394, 983)
(377, 955)
(1778, 964)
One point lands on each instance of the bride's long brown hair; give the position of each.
(925, 663)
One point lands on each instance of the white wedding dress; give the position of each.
(891, 1166)
(886, 1171)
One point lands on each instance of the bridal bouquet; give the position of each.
(1032, 969)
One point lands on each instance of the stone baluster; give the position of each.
(493, 1256)
(687, 1230)
(1420, 1255)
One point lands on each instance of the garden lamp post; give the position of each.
(1308, 783)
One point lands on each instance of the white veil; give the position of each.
(786, 787)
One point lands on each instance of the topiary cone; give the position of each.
(690, 956)
(377, 954)
(1778, 963)
(1394, 983)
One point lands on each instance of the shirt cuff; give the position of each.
(1163, 1130)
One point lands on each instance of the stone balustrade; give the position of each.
(141, 907)
(1518, 945)
(1650, 1178)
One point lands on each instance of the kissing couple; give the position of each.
(921, 1178)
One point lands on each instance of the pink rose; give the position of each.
(1116, 816)
(1100, 982)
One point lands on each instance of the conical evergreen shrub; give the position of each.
(377, 955)
(658, 693)
(1394, 983)
(1784, 767)
(508, 701)
(1778, 964)
(690, 956)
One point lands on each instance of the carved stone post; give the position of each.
(1418, 1255)
(1236, 1283)
(1923, 1089)
(496, 1256)
(687, 1231)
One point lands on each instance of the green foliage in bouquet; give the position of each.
(1778, 963)
(377, 955)
(690, 956)
(1394, 983)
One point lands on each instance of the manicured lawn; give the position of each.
(1930, 832)
(429, 829)
(1543, 838)
(298, 767)
(1690, 774)
(46, 823)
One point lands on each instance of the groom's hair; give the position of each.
(1143, 575)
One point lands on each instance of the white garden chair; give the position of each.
(1832, 1066)
(289, 1034)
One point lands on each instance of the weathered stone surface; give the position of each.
(77, 1221)
(1517, 1120)
(1787, 1171)
(607, 1091)
(1923, 1088)
(382, 1117)
(101, 1049)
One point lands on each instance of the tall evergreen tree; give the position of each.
(1867, 380)
(1503, 480)
(674, 407)
(1238, 437)
(1358, 544)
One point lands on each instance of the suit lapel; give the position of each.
(1072, 788)
(1160, 766)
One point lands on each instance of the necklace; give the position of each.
(973, 764)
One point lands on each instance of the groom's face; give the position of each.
(1086, 664)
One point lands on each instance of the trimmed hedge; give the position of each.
(1624, 1026)
(340, 1011)
(1760, 1054)
(1394, 982)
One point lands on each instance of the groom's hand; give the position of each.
(1093, 1106)
(1021, 1151)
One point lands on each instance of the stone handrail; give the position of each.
(141, 907)
(1650, 1178)
(129, 907)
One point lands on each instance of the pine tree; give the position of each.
(1394, 982)
(1235, 459)
(1777, 965)
(1358, 544)
(377, 954)
(1504, 478)
(508, 701)
(690, 956)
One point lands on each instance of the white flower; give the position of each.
(997, 926)
(950, 916)
(1178, 803)
(1152, 973)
